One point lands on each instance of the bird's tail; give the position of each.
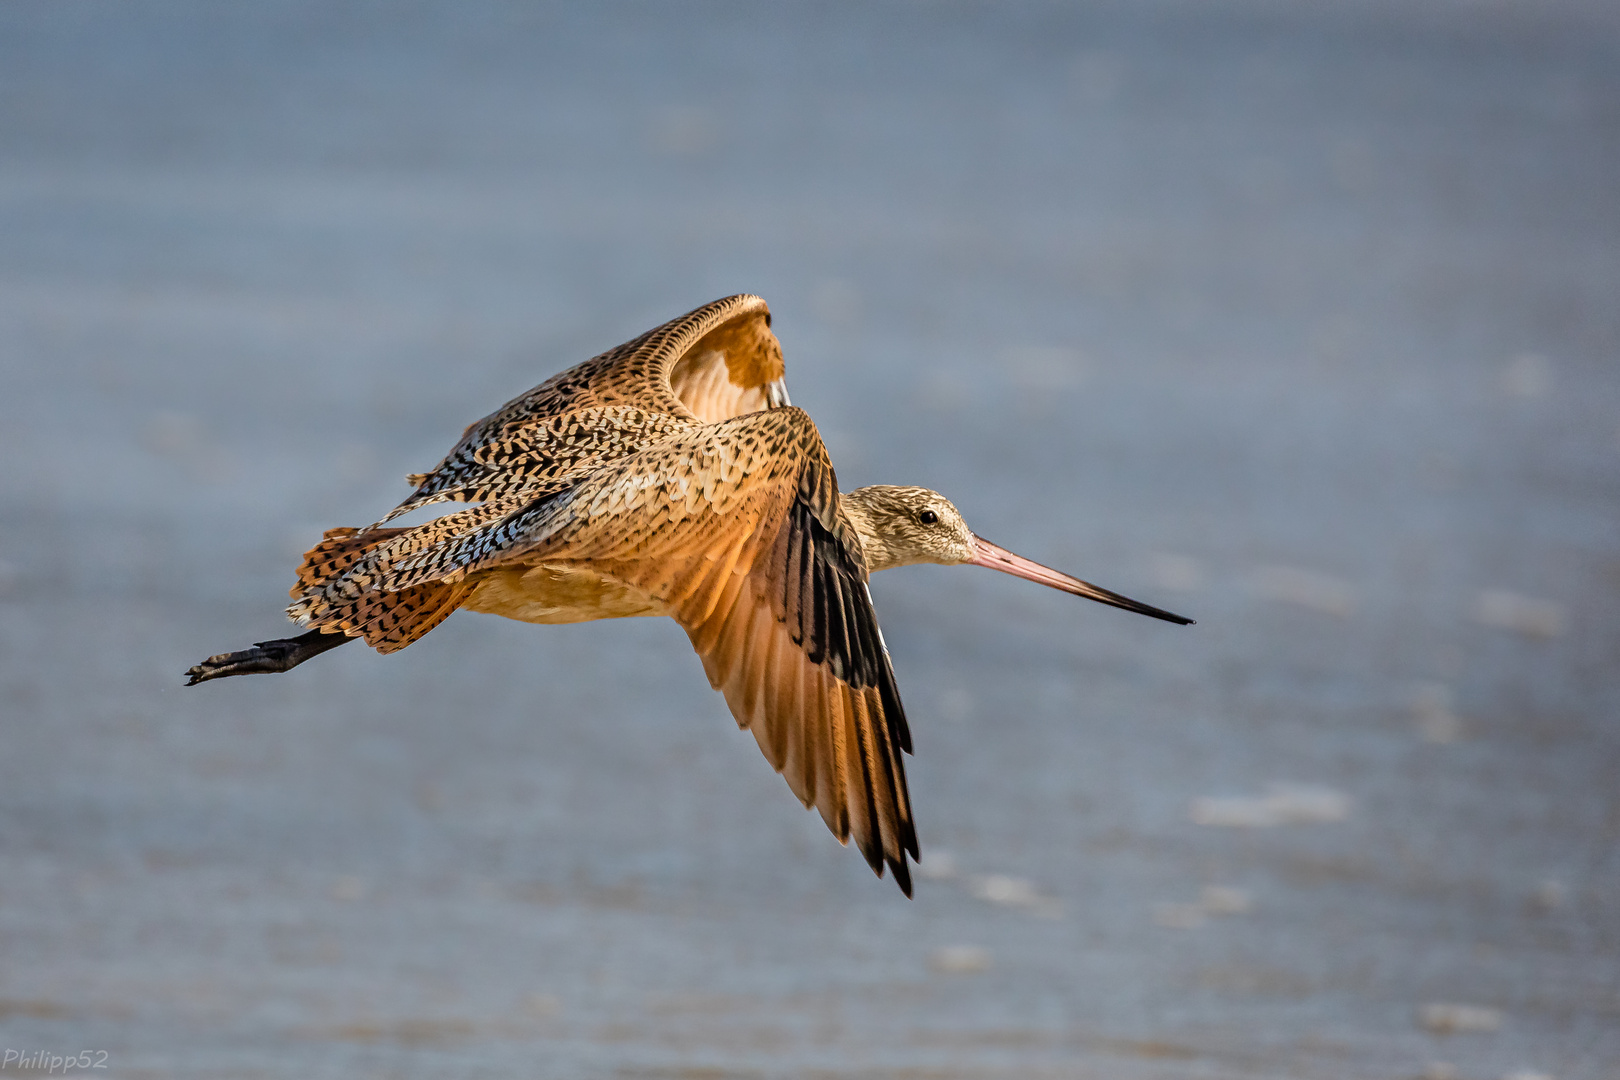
(335, 600)
(329, 598)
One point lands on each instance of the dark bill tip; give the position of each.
(999, 558)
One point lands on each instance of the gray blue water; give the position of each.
(1299, 319)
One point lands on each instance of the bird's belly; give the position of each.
(554, 593)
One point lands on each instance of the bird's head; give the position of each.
(902, 526)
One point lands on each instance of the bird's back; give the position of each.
(718, 361)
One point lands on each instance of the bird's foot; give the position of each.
(266, 657)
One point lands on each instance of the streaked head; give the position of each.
(903, 526)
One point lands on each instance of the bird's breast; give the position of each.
(558, 593)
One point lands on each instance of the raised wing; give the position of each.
(711, 364)
(735, 529)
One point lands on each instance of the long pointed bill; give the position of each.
(999, 558)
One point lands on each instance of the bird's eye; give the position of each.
(927, 517)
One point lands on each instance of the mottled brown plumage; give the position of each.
(670, 476)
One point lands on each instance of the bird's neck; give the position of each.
(857, 510)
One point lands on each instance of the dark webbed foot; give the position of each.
(266, 657)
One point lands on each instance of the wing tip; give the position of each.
(902, 875)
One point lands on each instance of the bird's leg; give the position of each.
(283, 654)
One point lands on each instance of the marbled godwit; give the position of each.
(672, 477)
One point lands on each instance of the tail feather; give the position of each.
(387, 620)
(338, 550)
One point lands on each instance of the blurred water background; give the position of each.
(1301, 319)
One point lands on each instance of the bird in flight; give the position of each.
(671, 476)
